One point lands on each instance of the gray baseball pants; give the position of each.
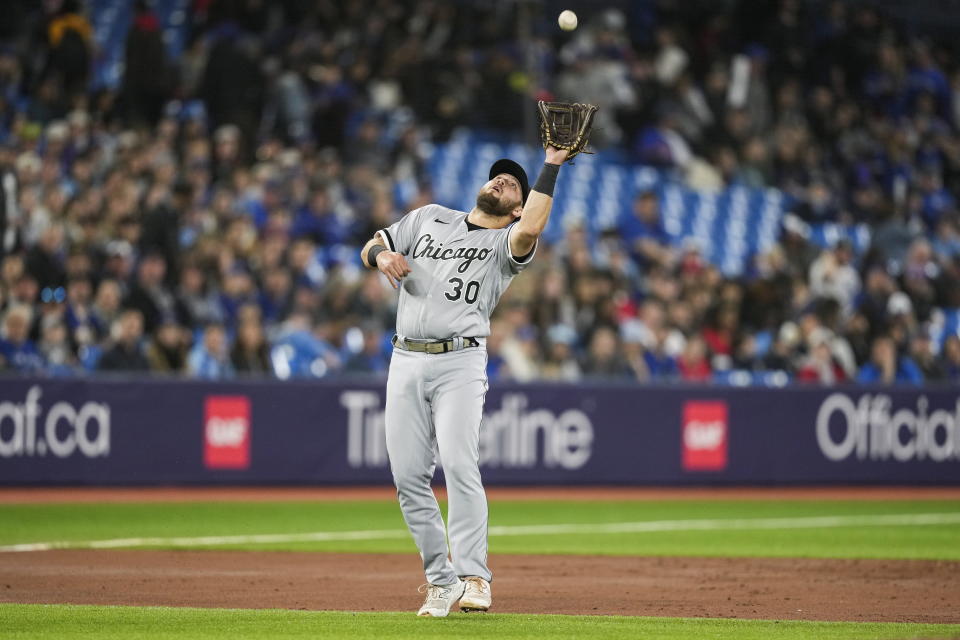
(438, 399)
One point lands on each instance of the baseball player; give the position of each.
(451, 268)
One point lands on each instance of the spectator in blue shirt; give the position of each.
(210, 359)
(936, 199)
(887, 367)
(19, 353)
(318, 221)
(497, 368)
(84, 326)
(370, 359)
(276, 295)
(643, 232)
(300, 352)
(946, 243)
(662, 365)
(238, 291)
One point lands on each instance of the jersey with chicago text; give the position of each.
(457, 274)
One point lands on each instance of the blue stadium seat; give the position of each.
(951, 326)
(730, 226)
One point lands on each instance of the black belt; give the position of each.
(434, 346)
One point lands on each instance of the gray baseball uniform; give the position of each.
(458, 274)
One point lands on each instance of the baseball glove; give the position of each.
(565, 125)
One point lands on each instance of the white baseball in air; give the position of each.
(567, 20)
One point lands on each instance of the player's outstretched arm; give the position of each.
(536, 211)
(375, 255)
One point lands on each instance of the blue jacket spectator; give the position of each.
(238, 291)
(19, 353)
(643, 232)
(318, 221)
(371, 359)
(84, 326)
(886, 367)
(661, 366)
(210, 359)
(276, 295)
(300, 353)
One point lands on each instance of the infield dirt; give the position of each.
(760, 588)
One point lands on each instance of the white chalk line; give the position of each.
(652, 526)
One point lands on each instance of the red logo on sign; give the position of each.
(226, 432)
(704, 436)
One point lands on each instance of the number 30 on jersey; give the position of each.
(470, 292)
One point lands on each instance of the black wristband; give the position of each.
(373, 253)
(547, 179)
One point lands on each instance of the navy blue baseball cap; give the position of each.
(508, 166)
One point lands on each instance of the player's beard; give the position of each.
(489, 203)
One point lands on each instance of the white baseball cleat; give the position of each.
(440, 599)
(477, 596)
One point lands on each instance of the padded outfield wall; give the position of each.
(97, 432)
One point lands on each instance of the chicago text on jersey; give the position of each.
(424, 248)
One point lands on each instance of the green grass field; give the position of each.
(871, 529)
(21, 622)
(79, 523)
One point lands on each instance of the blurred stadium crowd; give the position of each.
(203, 216)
